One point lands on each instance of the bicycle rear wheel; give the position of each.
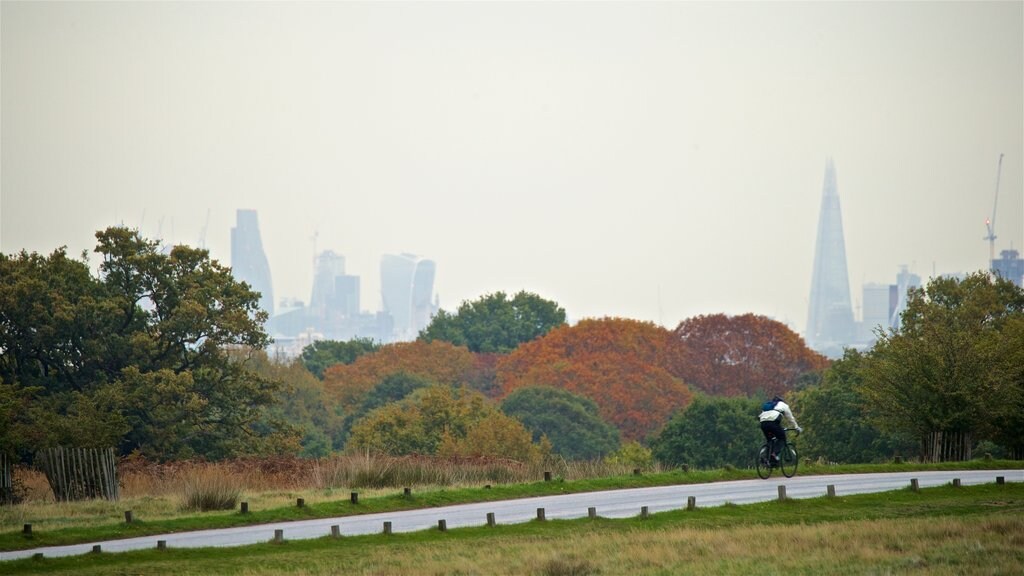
(789, 460)
(764, 466)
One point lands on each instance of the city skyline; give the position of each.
(654, 161)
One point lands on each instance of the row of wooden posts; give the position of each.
(442, 525)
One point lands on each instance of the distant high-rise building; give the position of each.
(830, 324)
(905, 280)
(1010, 266)
(248, 261)
(329, 266)
(407, 287)
(878, 307)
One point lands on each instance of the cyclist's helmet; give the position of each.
(777, 399)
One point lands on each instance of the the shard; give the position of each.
(248, 261)
(830, 325)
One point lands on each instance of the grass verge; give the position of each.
(944, 530)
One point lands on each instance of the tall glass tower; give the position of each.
(248, 261)
(830, 324)
(407, 285)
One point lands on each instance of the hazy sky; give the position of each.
(647, 160)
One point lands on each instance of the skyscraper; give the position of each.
(329, 265)
(830, 316)
(407, 286)
(248, 261)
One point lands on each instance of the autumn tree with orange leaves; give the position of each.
(740, 355)
(437, 361)
(618, 363)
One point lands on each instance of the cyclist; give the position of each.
(771, 415)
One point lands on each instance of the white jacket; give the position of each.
(781, 409)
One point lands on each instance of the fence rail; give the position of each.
(80, 473)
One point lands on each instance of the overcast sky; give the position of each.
(647, 160)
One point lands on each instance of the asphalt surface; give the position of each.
(608, 504)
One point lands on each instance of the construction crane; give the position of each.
(990, 223)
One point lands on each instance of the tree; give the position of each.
(303, 404)
(146, 346)
(839, 418)
(615, 362)
(952, 373)
(323, 354)
(711, 432)
(740, 355)
(439, 362)
(493, 323)
(570, 422)
(443, 420)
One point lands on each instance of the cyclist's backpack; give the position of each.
(769, 405)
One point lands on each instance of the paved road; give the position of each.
(609, 504)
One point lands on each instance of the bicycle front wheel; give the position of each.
(789, 460)
(764, 465)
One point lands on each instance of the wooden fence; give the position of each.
(948, 447)
(6, 482)
(80, 473)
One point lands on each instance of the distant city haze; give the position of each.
(648, 160)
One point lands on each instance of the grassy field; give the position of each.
(157, 508)
(945, 530)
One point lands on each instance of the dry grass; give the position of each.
(159, 491)
(945, 546)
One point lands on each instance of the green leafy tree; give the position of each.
(144, 348)
(442, 420)
(303, 404)
(570, 422)
(951, 374)
(711, 432)
(839, 419)
(495, 323)
(391, 388)
(323, 354)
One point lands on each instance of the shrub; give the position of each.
(206, 489)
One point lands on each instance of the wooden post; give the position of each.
(354, 497)
(245, 507)
(644, 512)
(592, 512)
(442, 525)
(96, 549)
(782, 493)
(956, 482)
(547, 476)
(278, 536)
(490, 519)
(37, 556)
(691, 503)
(915, 486)
(831, 489)
(685, 467)
(161, 544)
(300, 502)
(387, 528)
(636, 471)
(407, 492)
(335, 531)
(1000, 480)
(487, 486)
(540, 514)
(127, 516)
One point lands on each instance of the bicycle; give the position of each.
(787, 459)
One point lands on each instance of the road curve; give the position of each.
(609, 504)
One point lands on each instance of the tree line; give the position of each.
(161, 354)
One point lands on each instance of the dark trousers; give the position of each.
(773, 429)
